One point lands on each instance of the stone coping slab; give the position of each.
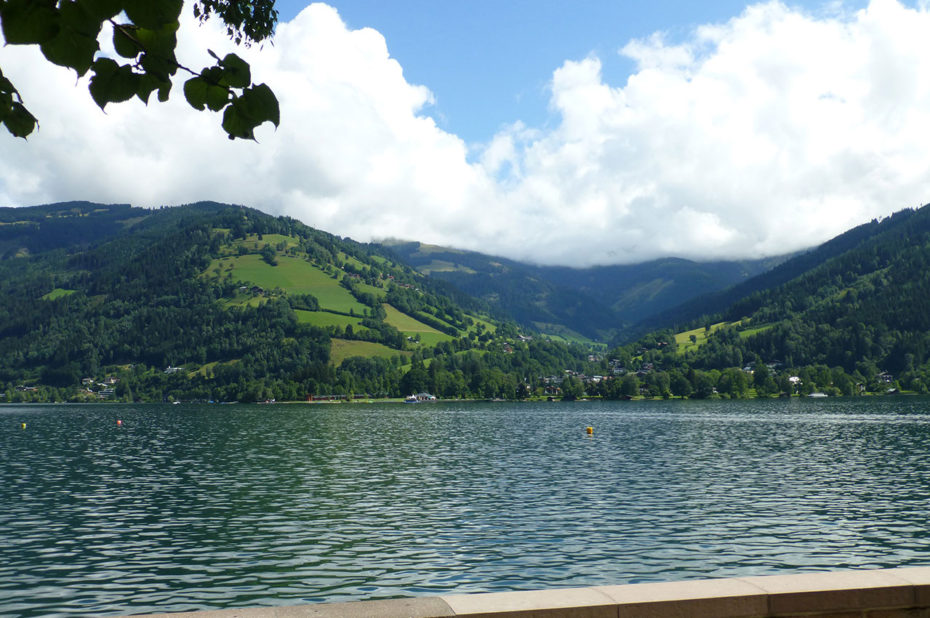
(883, 592)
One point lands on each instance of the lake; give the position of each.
(189, 507)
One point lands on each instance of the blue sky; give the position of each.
(490, 62)
(577, 133)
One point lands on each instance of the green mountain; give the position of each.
(851, 316)
(781, 272)
(599, 303)
(218, 302)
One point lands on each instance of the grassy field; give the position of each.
(252, 241)
(293, 275)
(325, 318)
(243, 300)
(412, 327)
(348, 259)
(700, 335)
(442, 266)
(344, 348)
(207, 370)
(488, 327)
(378, 292)
(557, 332)
(749, 332)
(57, 293)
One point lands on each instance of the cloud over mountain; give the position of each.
(767, 133)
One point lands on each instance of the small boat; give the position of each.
(411, 399)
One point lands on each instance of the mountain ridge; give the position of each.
(599, 302)
(222, 302)
(218, 302)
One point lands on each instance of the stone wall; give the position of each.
(888, 593)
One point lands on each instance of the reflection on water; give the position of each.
(197, 507)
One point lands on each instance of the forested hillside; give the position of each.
(224, 303)
(851, 317)
(599, 303)
(715, 302)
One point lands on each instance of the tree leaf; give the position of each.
(163, 91)
(124, 40)
(7, 90)
(200, 92)
(75, 45)
(261, 104)
(71, 49)
(112, 83)
(162, 40)
(26, 22)
(75, 16)
(153, 14)
(19, 121)
(195, 91)
(255, 106)
(147, 84)
(158, 66)
(217, 97)
(6, 86)
(236, 123)
(6, 105)
(159, 46)
(102, 9)
(236, 72)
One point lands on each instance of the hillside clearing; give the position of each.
(342, 349)
(293, 275)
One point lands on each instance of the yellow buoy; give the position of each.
(590, 430)
(24, 425)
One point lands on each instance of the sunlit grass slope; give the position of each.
(293, 275)
(344, 348)
(412, 327)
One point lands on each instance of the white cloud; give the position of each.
(767, 133)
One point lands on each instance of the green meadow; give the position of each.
(684, 342)
(252, 241)
(57, 293)
(293, 275)
(411, 327)
(344, 348)
(325, 318)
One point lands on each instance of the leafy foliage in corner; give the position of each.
(144, 36)
(246, 22)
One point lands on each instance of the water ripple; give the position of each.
(183, 508)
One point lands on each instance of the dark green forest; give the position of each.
(212, 302)
(852, 316)
(603, 303)
(92, 292)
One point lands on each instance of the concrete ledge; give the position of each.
(567, 602)
(887, 593)
(713, 598)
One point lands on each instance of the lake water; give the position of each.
(202, 507)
